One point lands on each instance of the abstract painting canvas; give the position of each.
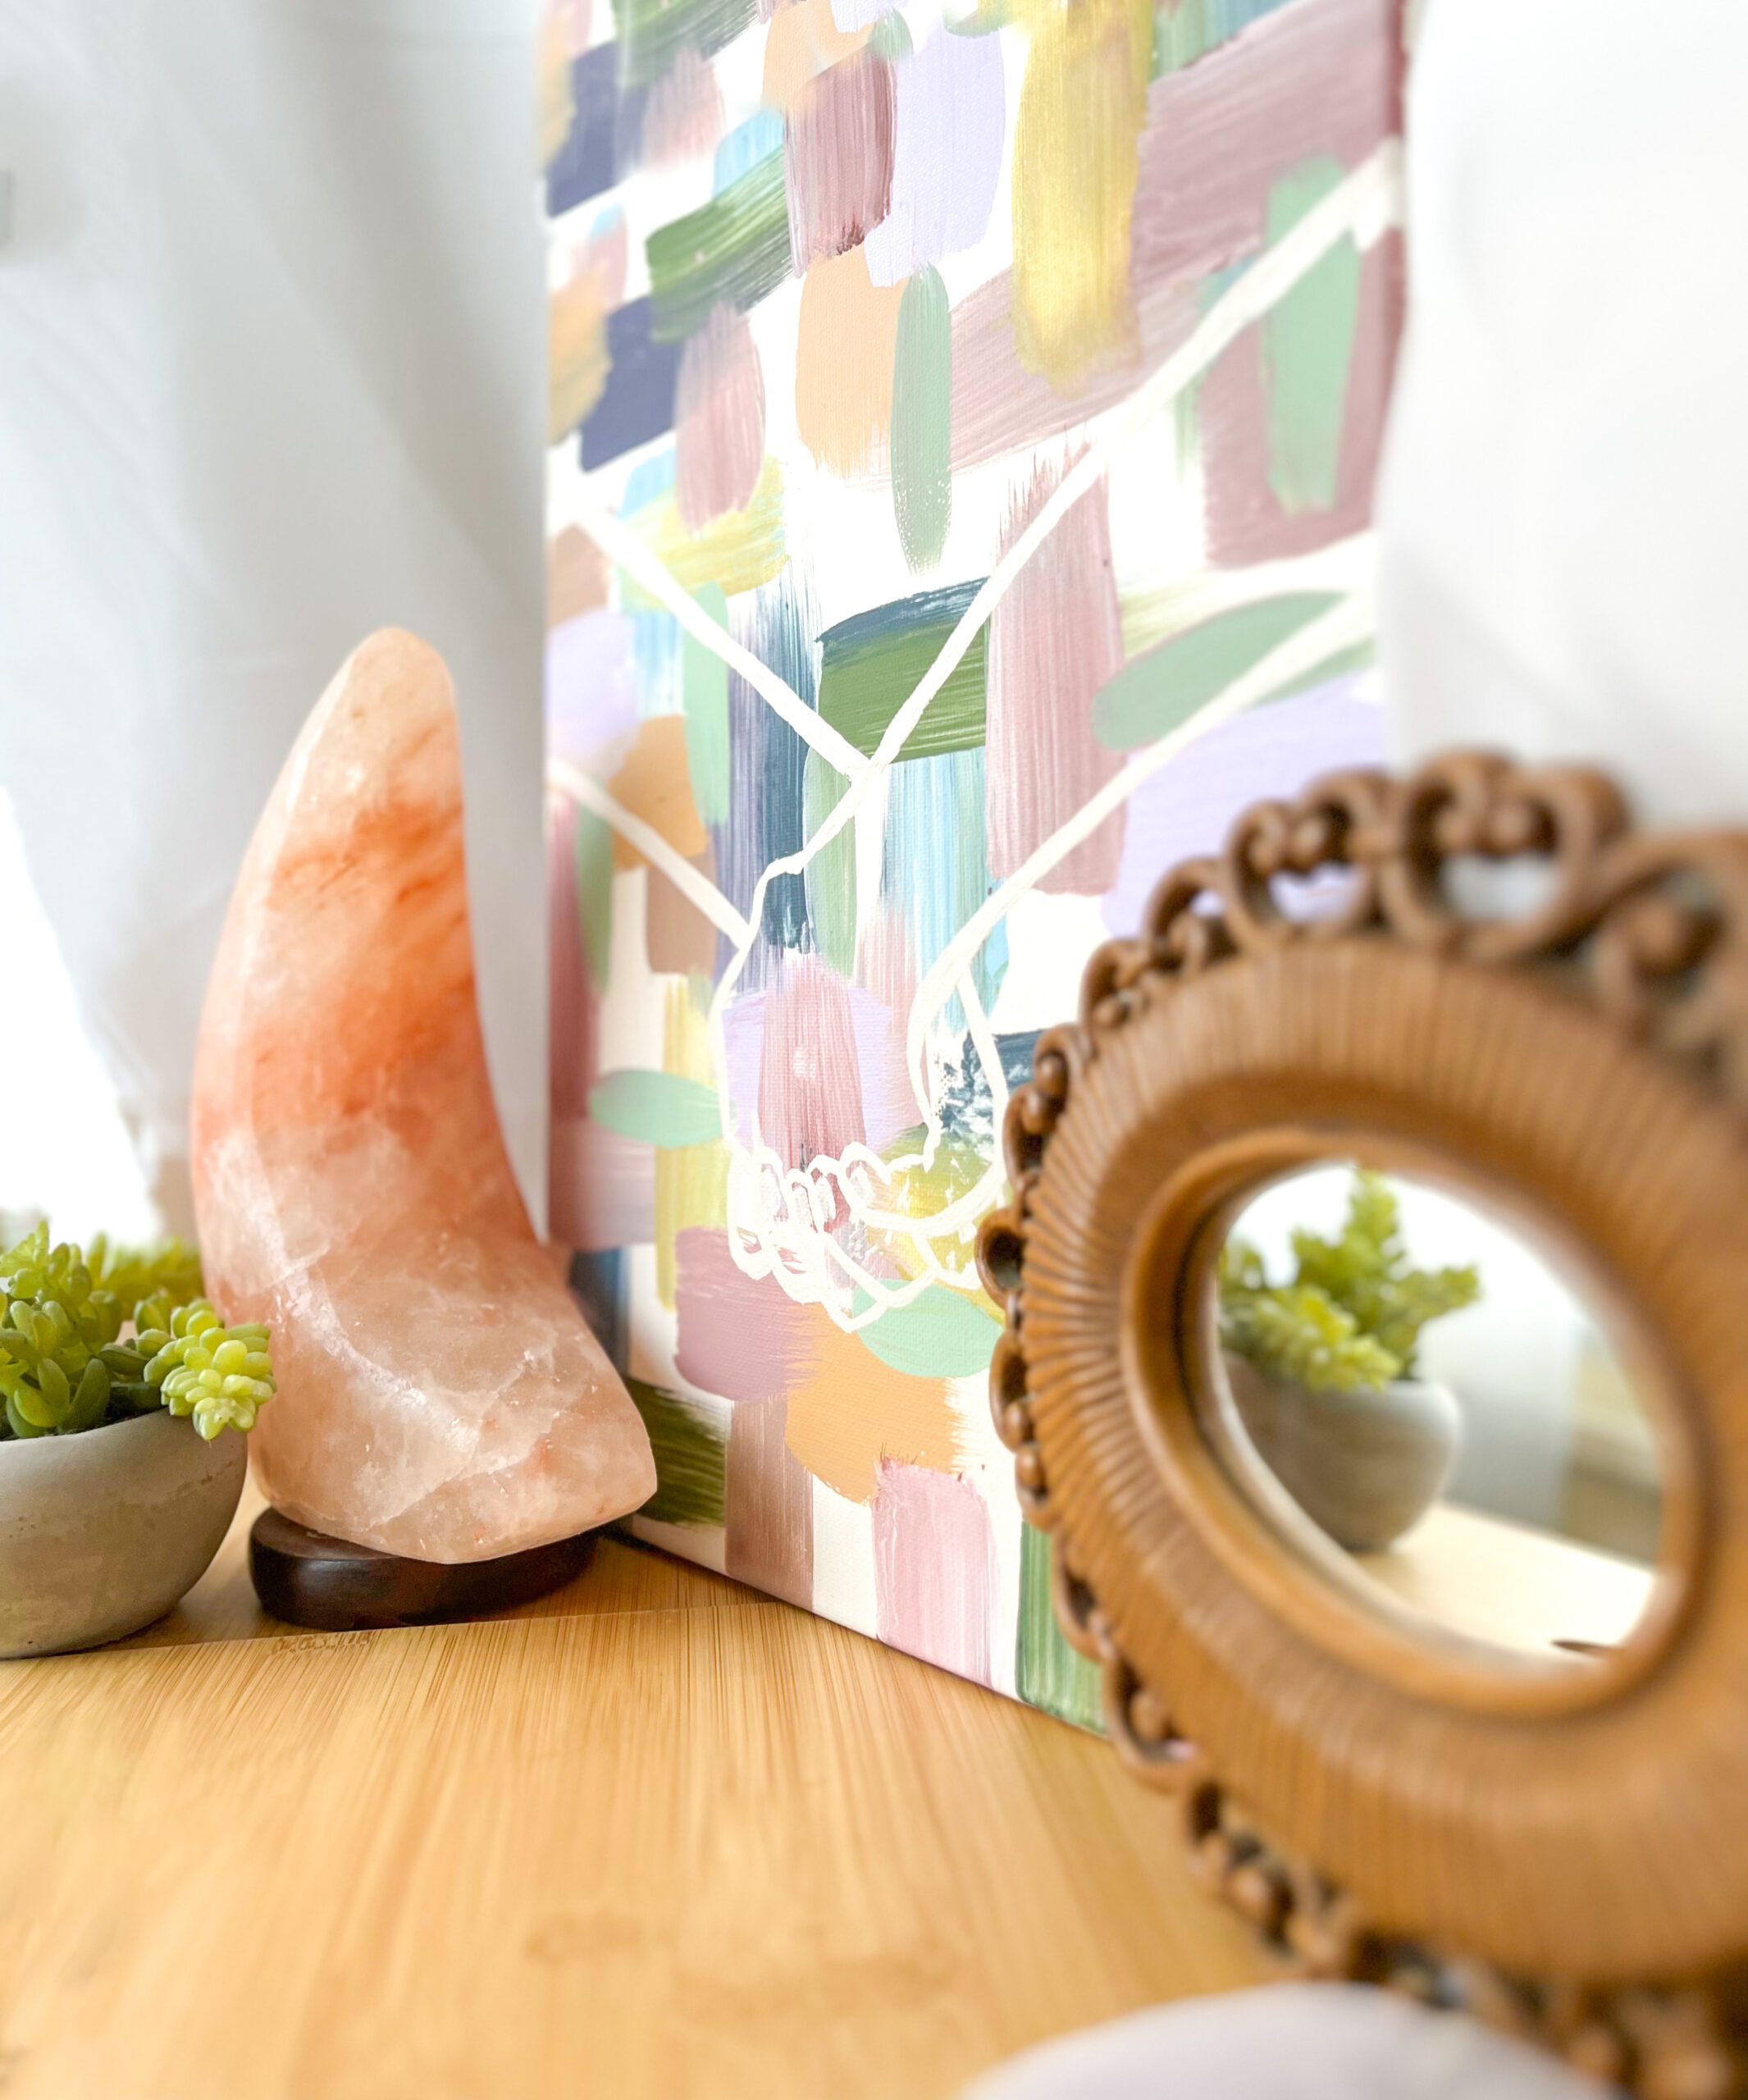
(962, 433)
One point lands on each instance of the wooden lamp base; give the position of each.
(309, 1579)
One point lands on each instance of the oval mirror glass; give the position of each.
(1411, 1393)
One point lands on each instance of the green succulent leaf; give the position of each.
(1351, 1316)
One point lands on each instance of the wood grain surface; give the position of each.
(654, 1835)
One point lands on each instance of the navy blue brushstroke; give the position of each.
(637, 402)
(597, 1282)
(606, 135)
(1016, 1052)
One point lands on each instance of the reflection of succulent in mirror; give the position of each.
(1434, 1400)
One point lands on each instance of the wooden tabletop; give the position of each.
(654, 1835)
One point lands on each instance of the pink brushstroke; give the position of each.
(838, 157)
(1320, 76)
(601, 1186)
(738, 1336)
(887, 1104)
(720, 419)
(810, 1083)
(683, 117)
(1246, 522)
(1054, 640)
(949, 133)
(935, 1568)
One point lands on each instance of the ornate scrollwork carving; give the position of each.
(1651, 932)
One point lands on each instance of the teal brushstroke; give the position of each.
(704, 688)
(940, 1334)
(1161, 691)
(1307, 350)
(935, 865)
(690, 1441)
(594, 876)
(657, 1108)
(745, 147)
(921, 442)
(1048, 1672)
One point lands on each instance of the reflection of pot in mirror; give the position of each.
(1364, 1466)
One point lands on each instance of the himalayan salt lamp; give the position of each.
(440, 1398)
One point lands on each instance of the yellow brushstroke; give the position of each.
(737, 552)
(577, 359)
(846, 339)
(1076, 157)
(849, 1411)
(655, 784)
(691, 1181)
(924, 1192)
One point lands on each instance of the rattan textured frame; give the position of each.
(1565, 1853)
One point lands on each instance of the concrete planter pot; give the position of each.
(101, 1533)
(1364, 1467)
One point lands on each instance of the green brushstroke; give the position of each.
(650, 34)
(830, 876)
(1048, 1672)
(890, 38)
(1307, 346)
(690, 1439)
(922, 419)
(1159, 692)
(940, 1334)
(870, 665)
(664, 1109)
(704, 688)
(594, 866)
(735, 248)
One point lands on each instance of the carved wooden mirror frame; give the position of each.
(1566, 1856)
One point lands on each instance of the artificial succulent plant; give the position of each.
(1351, 1316)
(93, 1335)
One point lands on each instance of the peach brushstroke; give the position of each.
(683, 117)
(846, 338)
(1075, 168)
(576, 577)
(802, 41)
(935, 1574)
(1246, 522)
(440, 1396)
(555, 106)
(677, 938)
(838, 157)
(810, 1081)
(768, 1506)
(653, 783)
(848, 1412)
(718, 420)
(1054, 640)
(577, 353)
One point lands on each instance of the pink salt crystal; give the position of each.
(439, 1395)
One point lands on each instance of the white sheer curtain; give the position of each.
(1562, 511)
(272, 344)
